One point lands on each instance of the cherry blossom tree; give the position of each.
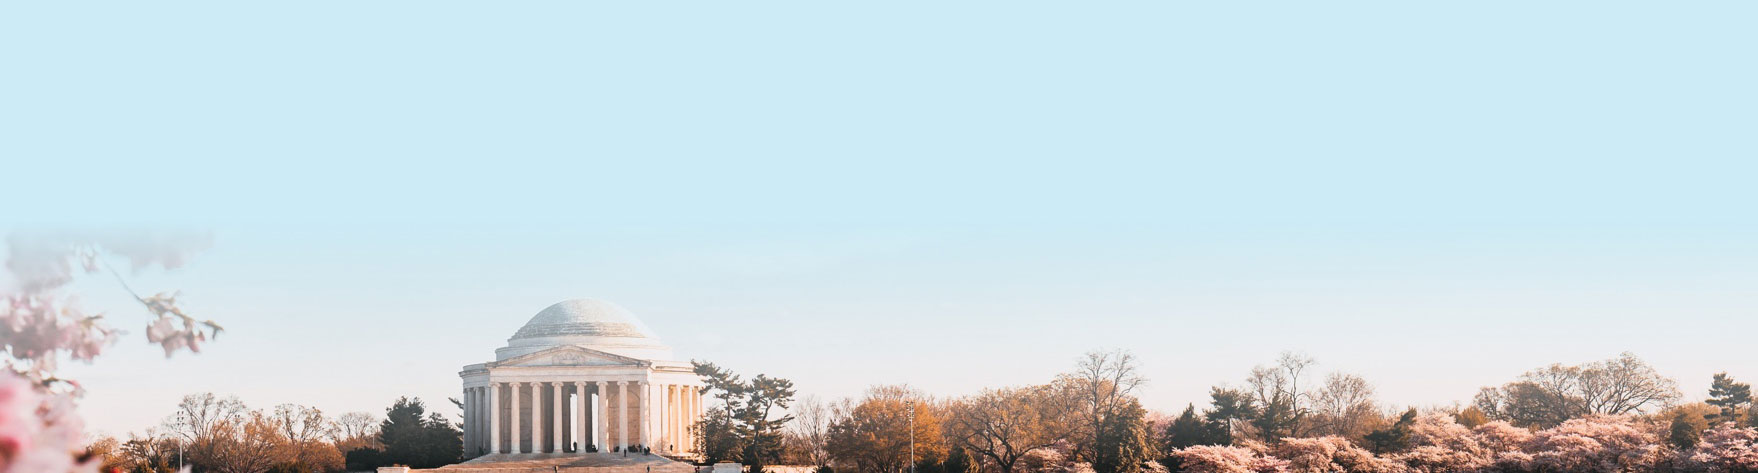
(1331, 454)
(1727, 449)
(1227, 459)
(42, 323)
(1595, 444)
(1499, 436)
(1439, 444)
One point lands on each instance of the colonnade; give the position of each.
(548, 416)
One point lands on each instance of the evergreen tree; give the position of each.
(1124, 442)
(1734, 398)
(1392, 439)
(716, 438)
(364, 459)
(415, 438)
(1276, 419)
(1189, 430)
(748, 407)
(1229, 408)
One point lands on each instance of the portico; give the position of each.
(582, 375)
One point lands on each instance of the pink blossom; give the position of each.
(1437, 459)
(1595, 444)
(1331, 454)
(39, 432)
(1500, 436)
(1226, 459)
(19, 425)
(1727, 449)
(1440, 444)
(36, 329)
(173, 329)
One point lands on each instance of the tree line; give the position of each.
(209, 433)
(1615, 415)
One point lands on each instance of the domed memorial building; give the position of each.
(582, 375)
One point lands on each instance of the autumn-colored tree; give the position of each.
(1004, 425)
(303, 430)
(1472, 417)
(148, 453)
(204, 420)
(354, 430)
(250, 444)
(875, 436)
(1393, 438)
(1686, 422)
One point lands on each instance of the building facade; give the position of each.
(582, 375)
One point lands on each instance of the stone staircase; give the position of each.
(598, 462)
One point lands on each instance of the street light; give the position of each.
(912, 408)
(182, 426)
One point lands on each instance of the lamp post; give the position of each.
(183, 425)
(912, 408)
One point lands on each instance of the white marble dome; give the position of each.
(590, 323)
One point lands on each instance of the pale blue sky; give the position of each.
(1434, 195)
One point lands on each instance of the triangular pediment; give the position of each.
(571, 355)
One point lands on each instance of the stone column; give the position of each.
(481, 428)
(494, 409)
(514, 392)
(622, 408)
(677, 418)
(645, 389)
(659, 417)
(475, 423)
(536, 418)
(557, 417)
(601, 428)
(470, 421)
(482, 420)
(671, 417)
(683, 427)
(583, 418)
(682, 419)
